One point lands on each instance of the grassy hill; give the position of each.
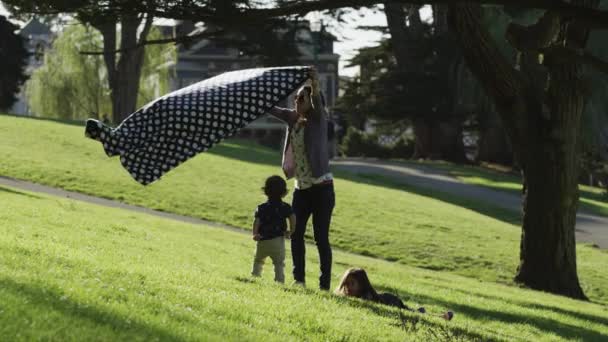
(373, 217)
(71, 271)
(592, 199)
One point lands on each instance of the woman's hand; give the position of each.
(314, 78)
(312, 74)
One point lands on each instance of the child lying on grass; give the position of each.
(355, 283)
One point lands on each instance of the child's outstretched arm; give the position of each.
(256, 229)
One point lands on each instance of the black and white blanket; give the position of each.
(174, 128)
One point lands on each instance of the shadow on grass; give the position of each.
(498, 178)
(476, 205)
(407, 321)
(16, 192)
(249, 152)
(50, 299)
(542, 323)
(411, 321)
(561, 311)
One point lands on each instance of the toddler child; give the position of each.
(270, 228)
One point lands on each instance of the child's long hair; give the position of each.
(275, 188)
(366, 290)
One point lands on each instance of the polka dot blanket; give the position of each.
(174, 128)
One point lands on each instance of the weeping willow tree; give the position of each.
(71, 85)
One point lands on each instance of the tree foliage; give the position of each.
(416, 88)
(13, 58)
(71, 85)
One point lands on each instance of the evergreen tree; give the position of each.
(13, 58)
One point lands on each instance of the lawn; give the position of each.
(373, 216)
(71, 271)
(592, 199)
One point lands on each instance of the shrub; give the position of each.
(357, 143)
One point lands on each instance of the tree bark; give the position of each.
(124, 75)
(423, 139)
(438, 140)
(548, 250)
(551, 175)
(448, 144)
(493, 144)
(544, 138)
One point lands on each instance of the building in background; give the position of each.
(206, 58)
(38, 38)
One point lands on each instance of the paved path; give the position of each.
(38, 188)
(589, 228)
(33, 187)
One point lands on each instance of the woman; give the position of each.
(305, 158)
(355, 283)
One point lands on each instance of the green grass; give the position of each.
(373, 216)
(592, 199)
(71, 271)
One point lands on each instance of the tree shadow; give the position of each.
(409, 321)
(242, 150)
(514, 177)
(578, 315)
(479, 206)
(548, 325)
(50, 299)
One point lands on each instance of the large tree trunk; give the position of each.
(423, 139)
(435, 137)
(448, 144)
(544, 138)
(124, 75)
(548, 250)
(550, 168)
(493, 144)
(128, 70)
(438, 140)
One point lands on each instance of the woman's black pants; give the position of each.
(318, 201)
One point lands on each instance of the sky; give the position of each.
(350, 38)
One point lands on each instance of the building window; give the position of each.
(331, 67)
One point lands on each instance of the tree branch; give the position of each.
(500, 80)
(592, 18)
(543, 33)
(206, 11)
(108, 31)
(483, 56)
(144, 33)
(563, 55)
(176, 40)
